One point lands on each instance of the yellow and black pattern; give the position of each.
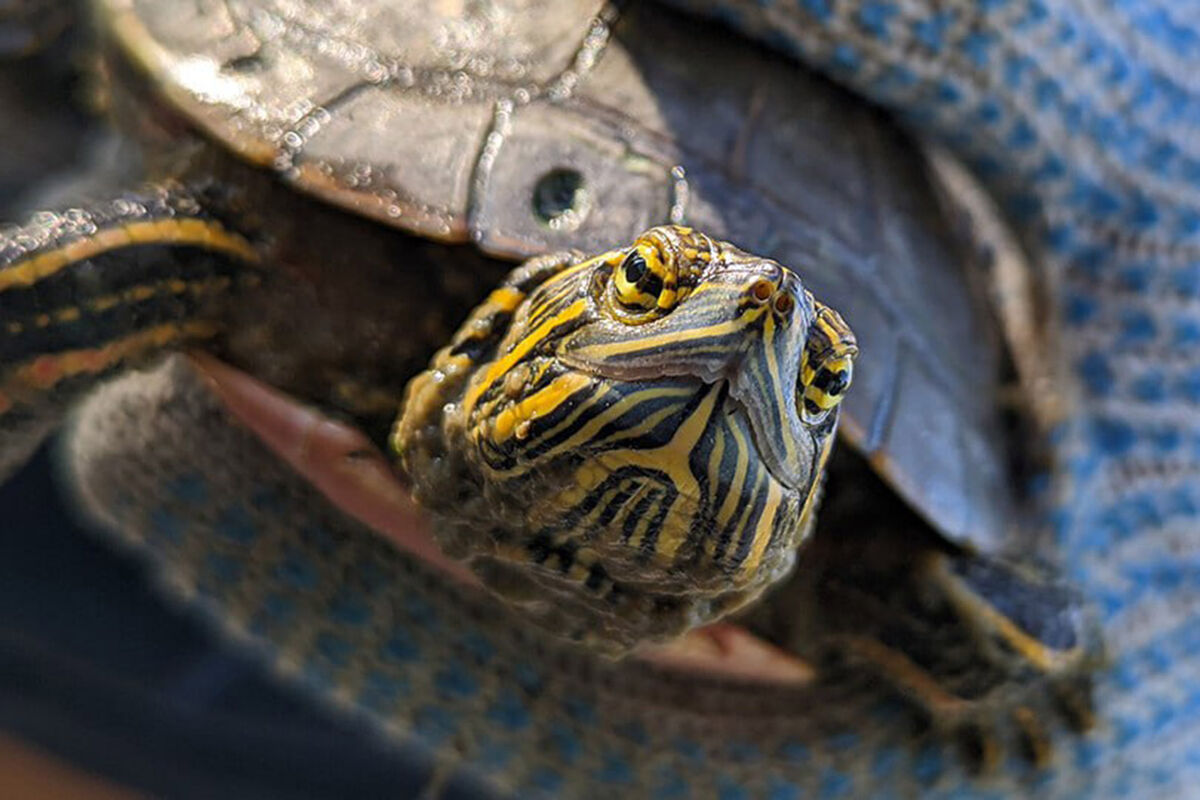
(828, 365)
(86, 292)
(623, 434)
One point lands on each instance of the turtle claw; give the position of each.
(981, 749)
(1073, 700)
(1006, 717)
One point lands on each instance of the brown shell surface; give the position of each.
(535, 125)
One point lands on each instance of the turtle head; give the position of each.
(629, 445)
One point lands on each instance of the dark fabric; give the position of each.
(94, 667)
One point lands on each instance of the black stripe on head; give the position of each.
(612, 492)
(749, 536)
(746, 514)
(649, 544)
(598, 404)
(636, 514)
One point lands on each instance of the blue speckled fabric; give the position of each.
(1082, 117)
(1079, 116)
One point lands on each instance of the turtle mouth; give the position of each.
(347, 468)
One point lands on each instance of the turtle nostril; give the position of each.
(784, 303)
(761, 290)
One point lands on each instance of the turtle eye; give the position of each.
(638, 281)
(828, 386)
(828, 366)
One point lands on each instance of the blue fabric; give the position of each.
(95, 668)
(1082, 119)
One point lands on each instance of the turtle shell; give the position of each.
(530, 125)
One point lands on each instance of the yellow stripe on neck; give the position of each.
(207, 234)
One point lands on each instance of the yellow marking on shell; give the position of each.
(502, 365)
(538, 404)
(47, 371)
(175, 231)
(14, 327)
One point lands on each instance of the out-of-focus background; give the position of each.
(104, 690)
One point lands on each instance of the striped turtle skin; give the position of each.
(640, 435)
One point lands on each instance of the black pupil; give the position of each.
(831, 383)
(638, 274)
(635, 267)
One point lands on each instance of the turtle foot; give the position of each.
(994, 654)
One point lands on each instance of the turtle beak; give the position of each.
(765, 385)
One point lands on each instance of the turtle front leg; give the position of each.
(87, 292)
(994, 652)
(991, 652)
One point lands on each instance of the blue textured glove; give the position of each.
(1083, 118)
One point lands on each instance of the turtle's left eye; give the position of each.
(638, 281)
(829, 384)
(828, 365)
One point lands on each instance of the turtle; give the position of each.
(627, 437)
